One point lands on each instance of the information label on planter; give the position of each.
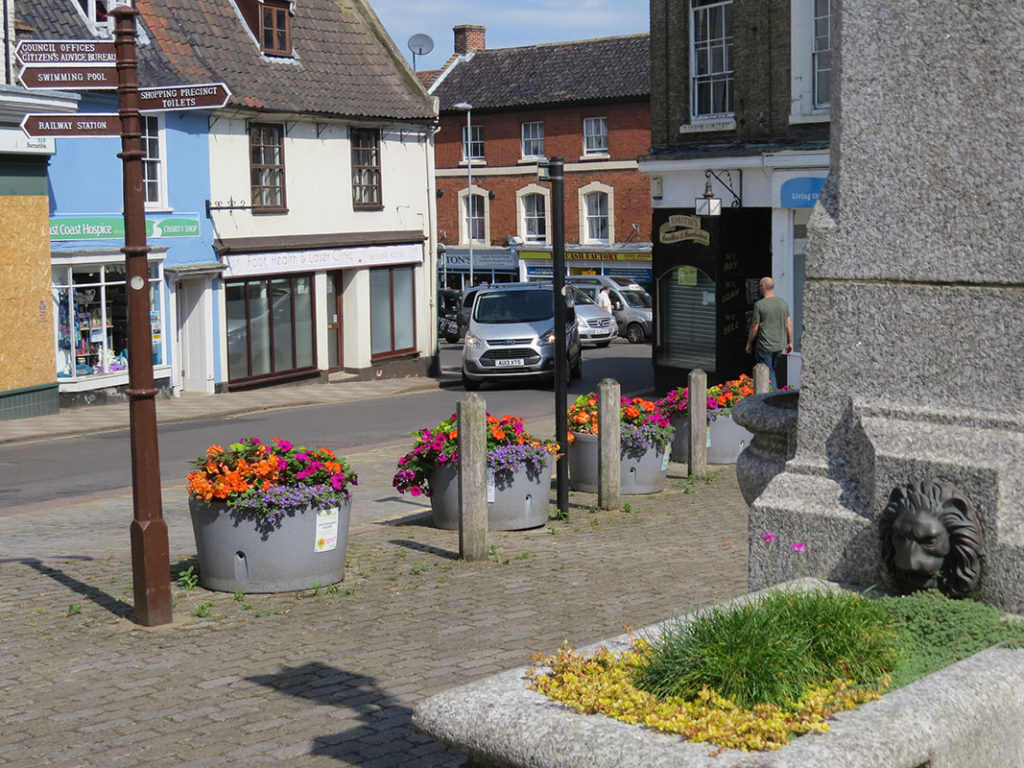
(326, 529)
(490, 487)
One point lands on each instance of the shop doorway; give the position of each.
(195, 350)
(335, 337)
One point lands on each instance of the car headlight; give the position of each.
(474, 341)
(581, 324)
(548, 337)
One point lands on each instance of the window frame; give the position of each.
(524, 217)
(392, 351)
(706, 47)
(525, 141)
(470, 215)
(279, 9)
(359, 189)
(589, 135)
(476, 140)
(255, 167)
(584, 214)
(817, 54)
(149, 163)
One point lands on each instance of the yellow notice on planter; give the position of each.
(326, 529)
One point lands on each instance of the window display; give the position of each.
(91, 308)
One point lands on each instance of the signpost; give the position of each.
(71, 125)
(41, 52)
(175, 97)
(74, 77)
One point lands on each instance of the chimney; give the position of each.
(469, 38)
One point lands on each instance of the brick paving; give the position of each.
(325, 677)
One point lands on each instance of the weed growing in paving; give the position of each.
(416, 570)
(203, 610)
(74, 609)
(238, 596)
(627, 508)
(188, 578)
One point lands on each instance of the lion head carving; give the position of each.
(931, 538)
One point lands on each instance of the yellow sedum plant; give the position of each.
(602, 683)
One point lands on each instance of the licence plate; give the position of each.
(510, 363)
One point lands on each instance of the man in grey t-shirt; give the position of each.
(772, 327)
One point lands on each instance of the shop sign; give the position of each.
(504, 260)
(277, 262)
(96, 52)
(801, 192)
(100, 227)
(680, 228)
(590, 255)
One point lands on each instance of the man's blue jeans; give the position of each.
(770, 359)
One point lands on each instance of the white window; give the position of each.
(596, 211)
(710, 58)
(474, 150)
(154, 177)
(474, 224)
(533, 139)
(821, 53)
(595, 136)
(95, 14)
(811, 65)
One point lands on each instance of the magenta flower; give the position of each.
(414, 490)
(798, 546)
(338, 481)
(769, 537)
(284, 445)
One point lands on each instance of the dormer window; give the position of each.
(95, 14)
(275, 28)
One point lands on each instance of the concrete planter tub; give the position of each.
(726, 439)
(521, 502)
(965, 716)
(639, 471)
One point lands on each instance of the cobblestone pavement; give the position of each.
(325, 677)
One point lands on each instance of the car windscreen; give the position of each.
(513, 306)
(637, 298)
(581, 298)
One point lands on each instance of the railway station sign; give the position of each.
(71, 125)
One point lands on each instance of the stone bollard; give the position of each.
(698, 408)
(761, 379)
(609, 450)
(472, 419)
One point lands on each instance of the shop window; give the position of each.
(91, 311)
(711, 70)
(266, 143)
(269, 326)
(366, 169)
(392, 311)
(275, 28)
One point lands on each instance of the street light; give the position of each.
(466, 107)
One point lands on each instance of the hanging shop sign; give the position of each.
(108, 226)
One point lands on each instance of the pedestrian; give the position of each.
(604, 300)
(772, 328)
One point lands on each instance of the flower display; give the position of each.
(643, 424)
(510, 449)
(268, 482)
(721, 398)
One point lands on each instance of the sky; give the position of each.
(509, 24)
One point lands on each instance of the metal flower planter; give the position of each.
(640, 471)
(523, 502)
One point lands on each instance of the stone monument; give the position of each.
(914, 300)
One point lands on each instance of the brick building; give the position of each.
(740, 98)
(585, 101)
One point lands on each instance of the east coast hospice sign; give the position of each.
(111, 226)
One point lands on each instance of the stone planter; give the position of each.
(640, 472)
(307, 549)
(726, 439)
(771, 417)
(967, 715)
(522, 503)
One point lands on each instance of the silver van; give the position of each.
(511, 335)
(631, 304)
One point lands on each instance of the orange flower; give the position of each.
(332, 466)
(453, 435)
(631, 412)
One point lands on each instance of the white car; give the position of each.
(596, 325)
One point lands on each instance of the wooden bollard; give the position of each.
(609, 451)
(698, 409)
(761, 378)
(472, 419)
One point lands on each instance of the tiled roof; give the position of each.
(585, 70)
(344, 65)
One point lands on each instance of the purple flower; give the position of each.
(798, 546)
(769, 537)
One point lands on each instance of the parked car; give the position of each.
(595, 325)
(511, 335)
(448, 305)
(466, 307)
(631, 304)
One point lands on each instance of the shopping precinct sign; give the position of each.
(111, 226)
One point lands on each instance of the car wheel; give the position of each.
(469, 384)
(634, 333)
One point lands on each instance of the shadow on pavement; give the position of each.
(104, 600)
(425, 548)
(385, 724)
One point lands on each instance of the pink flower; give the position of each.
(798, 546)
(769, 537)
(414, 490)
(284, 445)
(337, 480)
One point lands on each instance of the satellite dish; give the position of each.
(420, 44)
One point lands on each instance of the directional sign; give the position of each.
(69, 77)
(41, 52)
(175, 97)
(71, 125)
